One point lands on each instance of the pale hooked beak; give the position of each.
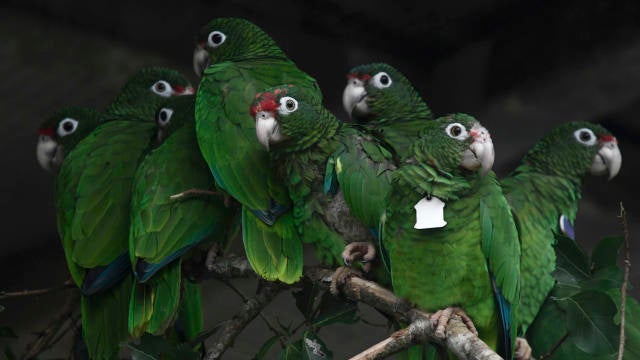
(480, 153)
(354, 98)
(267, 129)
(608, 159)
(49, 153)
(201, 60)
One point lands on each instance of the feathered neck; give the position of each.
(428, 180)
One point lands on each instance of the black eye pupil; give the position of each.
(455, 131)
(384, 79)
(163, 116)
(290, 104)
(216, 38)
(584, 136)
(67, 126)
(160, 87)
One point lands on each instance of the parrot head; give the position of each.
(379, 90)
(147, 88)
(61, 132)
(288, 113)
(229, 39)
(456, 144)
(172, 114)
(576, 149)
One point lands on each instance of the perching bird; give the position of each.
(544, 191)
(164, 229)
(93, 191)
(450, 237)
(385, 103)
(321, 159)
(244, 60)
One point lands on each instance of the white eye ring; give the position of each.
(162, 88)
(381, 80)
(215, 39)
(67, 126)
(585, 137)
(457, 131)
(164, 116)
(287, 105)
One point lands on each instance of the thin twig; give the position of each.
(251, 308)
(627, 269)
(35, 292)
(555, 347)
(47, 337)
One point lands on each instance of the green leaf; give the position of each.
(264, 349)
(571, 260)
(292, 351)
(7, 332)
(306, 299)
(605, 253)
(314, 348)
(590, 317)
(333, 309)
(604, 279)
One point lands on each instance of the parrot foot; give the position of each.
(197, 192)
(212, 254)
(340, 277)
(441, 319)
(523, 349)
(364, 252)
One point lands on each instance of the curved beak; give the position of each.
(480, 153)
(354, 98)
(49, 153)
(608, 159)
(201, 60)
(267, 128)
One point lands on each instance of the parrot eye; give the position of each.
(457, 131)
(287, 105)
(215, 39)
(381, 80)
(162, 88)
(164, 116)
(67, 126)
(585, 136)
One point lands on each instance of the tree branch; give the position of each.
(458, 339)
(267, 291)
(51, 334)
(9, 294)
(623, 290)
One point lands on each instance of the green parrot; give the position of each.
(544, 191)
(450, 219)
(322, 161)
(384, 102)
(244, 59)
(93, 192)
(164, 230)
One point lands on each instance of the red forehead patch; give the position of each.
(357, 75)
(608, 138)
(46, 131)
(267, 102)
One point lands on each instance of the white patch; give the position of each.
(354, 98)
(429, 213)
(267, 129)
(45, 151)
(607, 160)
(200, 60)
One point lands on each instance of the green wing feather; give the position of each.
(108, 159)
(191, 317)
(102, 328)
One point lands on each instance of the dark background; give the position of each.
(519, 67)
